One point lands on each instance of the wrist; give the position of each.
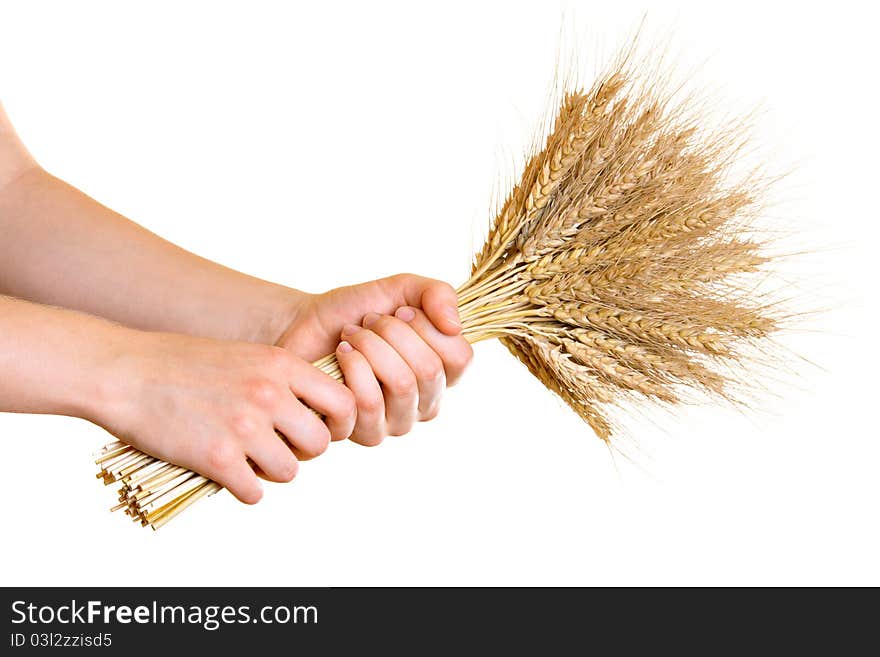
(119, 366)
(15, 160)
(281, 308)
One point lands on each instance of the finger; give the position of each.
(240, 478)
(369, 429)
(398, 380)
(273, 456)
(303, 429)
(454, 351)
(424, 363)
(436, 298)
(262, 475)
(440, 304)
(325, 395)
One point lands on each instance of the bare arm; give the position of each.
(55, 361)
(61, 247)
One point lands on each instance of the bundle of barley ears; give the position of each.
(613, 270)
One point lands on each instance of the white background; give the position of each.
(318, 144)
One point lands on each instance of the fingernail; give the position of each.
(370, 319)
(344, 347)
(405, 313)
(350, 329)
(451, 316)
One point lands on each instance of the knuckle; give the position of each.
(400, 430)
(322, 446)
(263, 393)
(368, 439)
(221, 456)
(432, 371)
(251, 494)
(243, 425)
(323, 443)
(370, 406)
(432, 412)
(461, 358)
(277, 358)
(318, 440)
(342, 426)
(347, 404)
(403, 386)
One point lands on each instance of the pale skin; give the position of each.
(193, 362)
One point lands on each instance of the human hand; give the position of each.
(211, 405)
(401, 346)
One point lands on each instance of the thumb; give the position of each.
(436, 298)
(440, 304)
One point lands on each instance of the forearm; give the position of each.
(60, 247)
(58, 361)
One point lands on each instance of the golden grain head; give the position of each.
(615, 269)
